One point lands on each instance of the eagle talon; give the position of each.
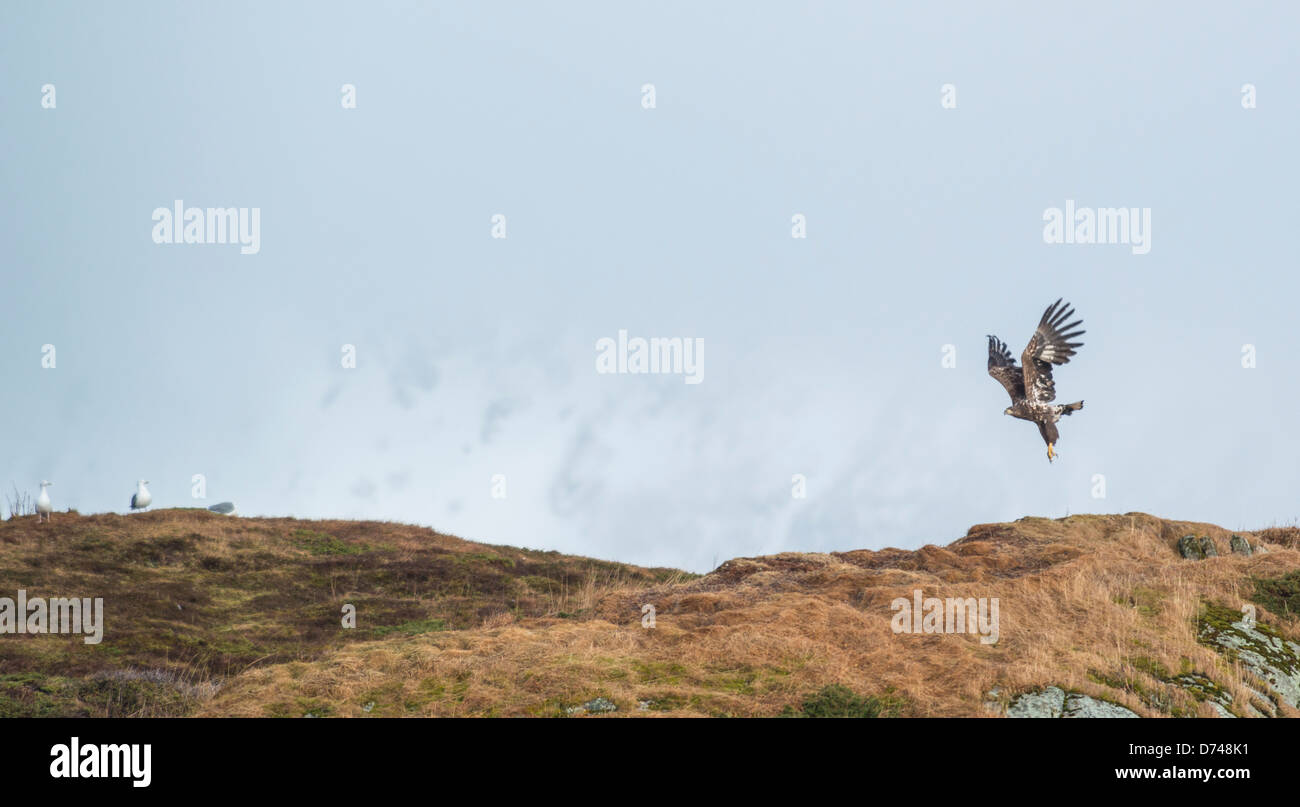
(1050, 454)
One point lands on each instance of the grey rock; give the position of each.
(1207, 547)
(1077, 705)
(1203, 688)
(1240, 546)
(1221, 710)
(1054, 702)
(1190, 548)
(1050, 702)
(1272, 659)
(594, 706)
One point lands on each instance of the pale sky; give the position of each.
(476, 356)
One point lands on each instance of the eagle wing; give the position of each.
(1003, 368)
(1049, 345)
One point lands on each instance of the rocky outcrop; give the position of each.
(1049, 702)
(1193, 548)
(1240, 546)
(1083, 706)
(1056, 702)
(1204, 689)
(1271, 658)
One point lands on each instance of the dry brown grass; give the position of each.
(1084, 600)
(193, 599)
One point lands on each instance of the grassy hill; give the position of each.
(209, 615)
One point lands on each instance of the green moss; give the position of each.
(1146, 601)
(1281, 595)
(133, 698)
(37, 695)
(1151, 667)
(837, 700)
(319, 543)
(386, 701)
(544, 585)
(1216, 619)
(412, 628)
(659, 672)
(1198, 685)
(740, 682)
(461, 685)
(1203, 688)
(433, 688)
(429, 690)
(551, 707)
(1112, 681)
(314, 707)
(279, 709)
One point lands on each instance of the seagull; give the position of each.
(43, 506)
(224, 508)
(141, 498)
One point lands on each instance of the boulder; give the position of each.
(1055, 702)
(1049, 702)
(1272, 658)
(1190, 548)
(1077, 705)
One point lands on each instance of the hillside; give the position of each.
(209, 615)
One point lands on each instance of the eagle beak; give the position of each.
(1050, 454)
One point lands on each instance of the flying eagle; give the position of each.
(1031, 387)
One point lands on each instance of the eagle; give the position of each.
(1031, 387)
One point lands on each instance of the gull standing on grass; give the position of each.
(43, 506)
(141, 498)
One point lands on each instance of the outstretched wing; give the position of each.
(1004, 369)
(1049, 345)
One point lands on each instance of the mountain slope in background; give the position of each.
(210, 615)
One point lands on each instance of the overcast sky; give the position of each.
(476, 356)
